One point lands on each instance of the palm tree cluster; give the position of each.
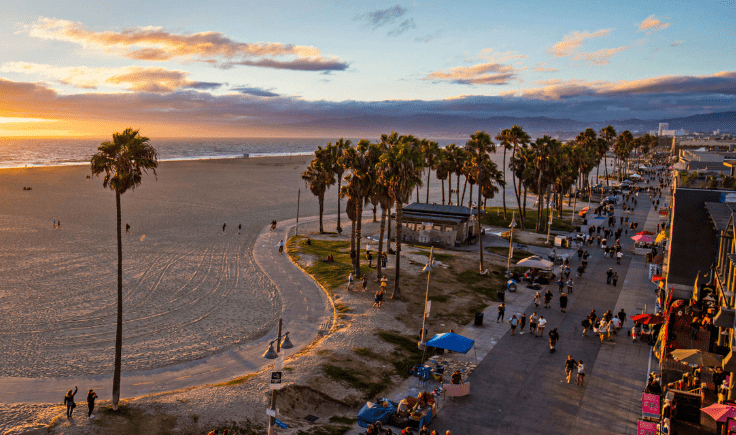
(387, 172)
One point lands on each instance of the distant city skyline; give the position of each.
(223, 68)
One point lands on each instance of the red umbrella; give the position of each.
(645, 233)
(657, 278)
(648, 319)
(720, 412)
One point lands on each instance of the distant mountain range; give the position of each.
(455, 126)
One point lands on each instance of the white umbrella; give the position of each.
(535, 262)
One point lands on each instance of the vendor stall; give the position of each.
(540, 271)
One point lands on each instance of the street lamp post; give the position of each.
(427, 268)
(271, 354)
(511, 244)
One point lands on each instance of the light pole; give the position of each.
(549, 227)
(511, 243)
(271, 354)
(427, 268)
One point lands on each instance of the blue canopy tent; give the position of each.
(453, 342)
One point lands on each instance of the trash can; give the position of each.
(500, 295)
(478, 319)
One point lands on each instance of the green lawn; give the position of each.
(333, 274)
(519, 254)
(494, 217)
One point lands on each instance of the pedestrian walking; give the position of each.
(514, 323)
(560, 284)
(370, 258)
(501, 310)
(567, 271)
(563, 302)
(609, 275)
(541, 323)
(547, 298)
(602, 330)
(580, 253)
(533, 321)
(570, 365)
(619, 256)
(581, 372)
(586, 325)
(378, 300)
(69, 402)
(554, 337)
(240, 226)
(522, 324)
(537, 299)
(91, 396)
(570, 285)
(614, 279)
(351, 281)
(223, 227)
(365, 282)
(54, 222)
(622, 316)
(127, 228)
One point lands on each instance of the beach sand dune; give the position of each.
(190, 289)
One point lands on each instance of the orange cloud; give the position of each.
(542, 68)
(572, 41)
(156, 44)
(132, 78)
(489, 73)
(600, 57)
(651, 24)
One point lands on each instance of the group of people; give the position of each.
(606, 326)
(57, 223)
(70, 404)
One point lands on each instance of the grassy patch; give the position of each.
(437, 256)
(407, 353)
(327, 429)
(342, 420)
(494, 217)
(439, 298)
(331, 275)
(238, 381)
(519, 254)
(468, 277)
(365, 352)
(355, 380)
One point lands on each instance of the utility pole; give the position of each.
(271, 419)
(511, 243)
(296, 233)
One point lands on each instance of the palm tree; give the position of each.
(477, 148)
(361, 161)
(451, 161)
(432, 154)
(400, 170)
(608, 134)
(442, 171)
(318, 177)
(124, 160)
(623, 148)
(336, 152)
(515, 137)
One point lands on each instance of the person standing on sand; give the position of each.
(69, 402)
(223, 227)
(54, 222)
(351, 281)
(365, 282)
(127, 228)
(239, 227)
(58, 223)
(91, 396)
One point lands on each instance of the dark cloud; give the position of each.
(257, 92)
(203, 85)
(403, 27)
(315, 64)
(382, 17)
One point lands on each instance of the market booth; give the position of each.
(539, 270)
(456, 343)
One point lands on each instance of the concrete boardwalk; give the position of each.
(520, 387)
(305, 307)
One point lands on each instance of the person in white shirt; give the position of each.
(540, 326)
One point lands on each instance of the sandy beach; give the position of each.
(190, 289)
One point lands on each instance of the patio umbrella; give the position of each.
(697, 356)
(648, 319)
(643, 239)
(720, 412)
(535, 262)
(583, 211)
(645, 233)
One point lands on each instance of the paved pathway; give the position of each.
(520, 387)
(305, 307)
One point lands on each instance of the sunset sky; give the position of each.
(239, 68)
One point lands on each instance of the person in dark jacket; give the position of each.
(91, 396)
(69, 402)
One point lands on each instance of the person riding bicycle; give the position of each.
(273, 224)
(281, 247)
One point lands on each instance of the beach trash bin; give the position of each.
(478, 319)
(500, 295)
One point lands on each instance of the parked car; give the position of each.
(609, 200)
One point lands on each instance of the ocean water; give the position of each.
(18, 153)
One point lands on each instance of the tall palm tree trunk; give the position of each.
(457, 190)
(417, 193)
(470, 197)
(449, 189)
(465, 186)
(605, 167)
(380, 243)
(388, 224)
(443, 192)
(540, 199)
(358, 233)
(321, 199)
(399, 218)
(119, 328)
(480, 236)
(503, 171)
(339, 183)
(523, 210)
(429, 173)
(374, 213)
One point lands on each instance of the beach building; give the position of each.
(438, 225)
